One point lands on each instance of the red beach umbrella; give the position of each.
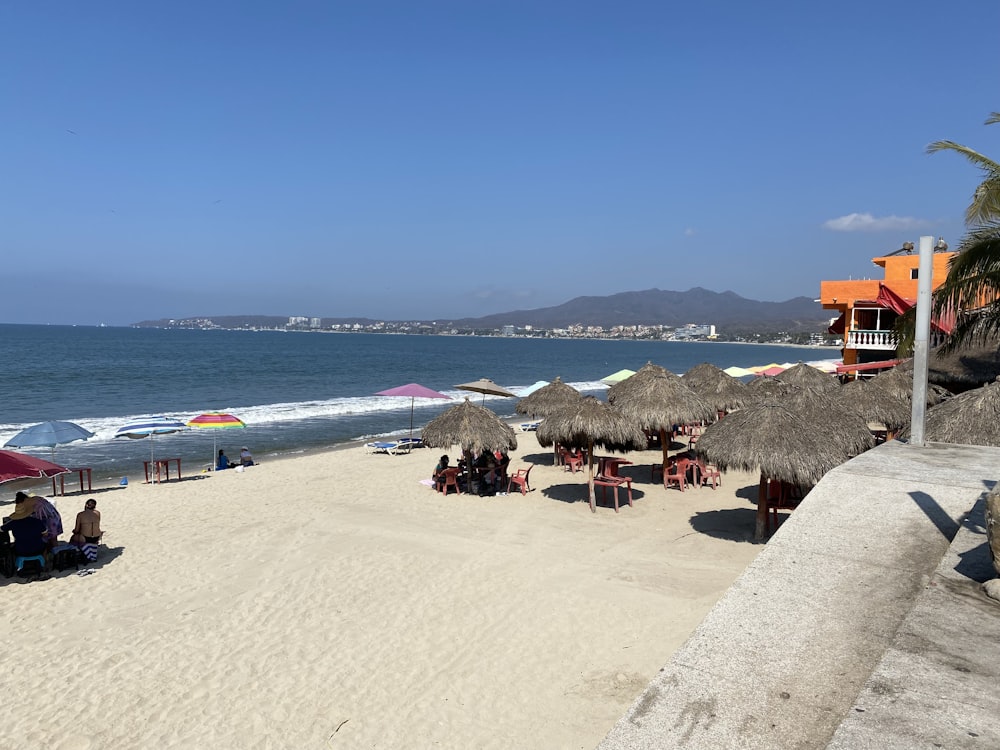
(15, 465)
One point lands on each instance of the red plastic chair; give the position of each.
(676, 474)
(520, 478)
(710, 473)
(449, 478)
(572, 461)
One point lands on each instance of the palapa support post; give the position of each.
(760, 531)
(590, 476)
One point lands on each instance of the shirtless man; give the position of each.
(88, 523)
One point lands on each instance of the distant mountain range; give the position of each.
(727, 311)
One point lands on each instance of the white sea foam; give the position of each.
(105, 428)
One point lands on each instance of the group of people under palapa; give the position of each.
(36, 526)
(489, 473)
(223, 461)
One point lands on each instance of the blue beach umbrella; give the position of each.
(148, 427)
(48, 435)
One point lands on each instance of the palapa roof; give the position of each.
(809, 377)
(970, 418)
(590, 421)
(772, 439)
(898, 382)
(635, 382)
(968, 367)
(875, 404)
(471, 426)
(766, 388)
(830, 419)
(548, 398)
(659, 401)
(721, 390)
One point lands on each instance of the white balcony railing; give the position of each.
(886, 340)
(872, 340)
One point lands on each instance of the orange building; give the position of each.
(869, 307)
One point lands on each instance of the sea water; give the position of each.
(295, 391)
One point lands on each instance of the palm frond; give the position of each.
(985, 204)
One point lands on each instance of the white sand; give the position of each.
(332, 601)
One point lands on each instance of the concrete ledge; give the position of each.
(780, 661)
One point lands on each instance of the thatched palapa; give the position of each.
(555, 396)
(767, 388)
(806, 376)
(658, 401)
(970, 418)
(830, 419)
(772, 439)
(474, 428)
(648, 370)
(722, 391)
(898, 382)
(587, 423)
(875, 404)
(968, 367)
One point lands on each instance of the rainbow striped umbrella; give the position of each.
(216, 420)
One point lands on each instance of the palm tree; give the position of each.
(972, 289)
(985, 205)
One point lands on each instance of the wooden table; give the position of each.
(161, 463)
(81, 470)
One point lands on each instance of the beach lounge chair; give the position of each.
(529, 426)
(382, 446)
(405, 445)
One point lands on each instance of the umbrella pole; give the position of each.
(411, 418)
(665, 447)
(590, 476)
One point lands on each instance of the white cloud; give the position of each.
(869, 223)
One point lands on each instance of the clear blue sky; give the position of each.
(446, 159)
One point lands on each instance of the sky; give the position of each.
(433, 160)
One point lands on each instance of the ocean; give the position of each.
(296, 392)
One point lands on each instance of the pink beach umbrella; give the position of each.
(414, 391)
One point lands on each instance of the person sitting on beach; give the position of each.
(44, 511)
(245, 458)
(438, 475)
(486, 464)
(29, 532)
(87, 531)
(222, 462)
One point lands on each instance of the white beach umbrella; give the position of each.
(148, 427)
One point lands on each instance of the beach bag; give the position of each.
(65, 556)
(90, 551)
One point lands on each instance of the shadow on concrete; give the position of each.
(734, 524)
(936, 514)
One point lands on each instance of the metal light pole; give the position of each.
(925, 274)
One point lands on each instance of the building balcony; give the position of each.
(886, 340)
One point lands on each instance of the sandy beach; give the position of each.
(334, 601)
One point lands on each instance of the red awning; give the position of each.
(869, 366)
(898, 304)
